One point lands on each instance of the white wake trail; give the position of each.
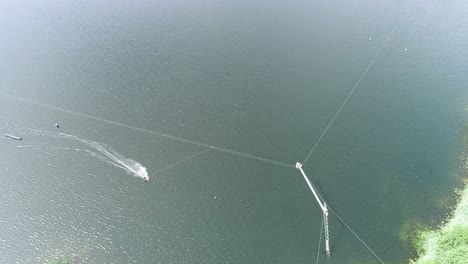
(105, 154)
(133, 167)
(93, 154)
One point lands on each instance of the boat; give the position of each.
(13, 137)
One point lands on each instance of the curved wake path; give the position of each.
(117, 159)
(86, 151)
(107, 155)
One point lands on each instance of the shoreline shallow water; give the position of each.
(449, 242)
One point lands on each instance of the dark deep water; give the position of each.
(258, 77)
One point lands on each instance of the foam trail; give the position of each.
(132, 166)
(117, 159)
(107, 155)
(93, 154)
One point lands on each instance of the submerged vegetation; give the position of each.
(448, 244)
(63, 259)
(60, 261)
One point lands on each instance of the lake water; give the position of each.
(127, 80)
